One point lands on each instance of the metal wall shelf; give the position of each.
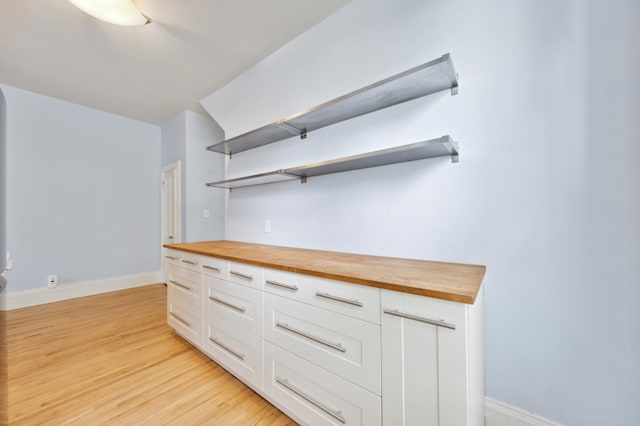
(440, 147)
(432, 77)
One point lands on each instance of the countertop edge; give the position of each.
(460, 297)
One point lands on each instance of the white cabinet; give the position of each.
(432, 363)
(184, 301)
(315, 396)
(235, 348)
(346, 346)
(330, 352)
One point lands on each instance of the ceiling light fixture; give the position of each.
(119, 12)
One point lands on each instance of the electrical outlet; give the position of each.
(267, 226)
(52, 281)
(9, 262)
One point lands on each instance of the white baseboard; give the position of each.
(500, 414)
(39, 296)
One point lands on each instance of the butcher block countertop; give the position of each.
(456, 282)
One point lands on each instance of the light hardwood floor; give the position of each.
(112, 359)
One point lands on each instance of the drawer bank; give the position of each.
(335, 338)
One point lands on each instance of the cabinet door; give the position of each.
(424, 368)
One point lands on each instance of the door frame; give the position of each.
(174, 167)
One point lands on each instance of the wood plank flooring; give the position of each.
(112, 359)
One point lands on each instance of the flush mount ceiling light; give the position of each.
(119, 12)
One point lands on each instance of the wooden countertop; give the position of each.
(456, 282)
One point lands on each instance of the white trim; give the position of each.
(39, 296)
(176, 168)
(498, 413)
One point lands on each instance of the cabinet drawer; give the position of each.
(214, 267)
(171, 257)
(285, 284)
(346, 346)
(235, 303)
(185, 320)
(314, 395)
(185, 285)
(357, 301)
(238, 350)
(190, 261)
(249, 275)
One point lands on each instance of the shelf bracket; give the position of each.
(303, 134)
(454, 88)
(303, 179)
(455, 158)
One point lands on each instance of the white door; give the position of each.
(424, 366)
(170, 215)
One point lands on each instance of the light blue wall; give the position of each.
(545, 194)
(204, 166)
(83, 192)
(184, 139)
(3, 186)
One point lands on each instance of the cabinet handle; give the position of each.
(442, 323)
(185, 322)
(336, 346)
(180, 285)
(190, 262)
(241, 275)
(336, 414)
(340, 299)
(171, 257)
(211, 268)
(230, 305)
(228, 349)
(279, 284)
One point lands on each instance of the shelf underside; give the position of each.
(440, 147)
(432, 77)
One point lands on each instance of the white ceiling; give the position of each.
(151, 72)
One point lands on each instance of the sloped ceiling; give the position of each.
(152, 72)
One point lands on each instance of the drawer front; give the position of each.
(357, 301)
(171, 257)
(314, 395)
(237, 304)
(249, 275)
(286, 284)
(185, 320)
(238, 350)
(190, 261)
(346, 346)
(218, 268)
(185, 285)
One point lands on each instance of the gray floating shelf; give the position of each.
(440, 147)
(432, 77)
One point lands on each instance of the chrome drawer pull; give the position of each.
(230, 305)
(211, 268)
(180, 285)
(336, 346)
(397, 313)
(340, 299)
(241, 275)
(336, 414)
(171, 257)
(190, 262)
(185, 322)
(279, 284)
(228, 349)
